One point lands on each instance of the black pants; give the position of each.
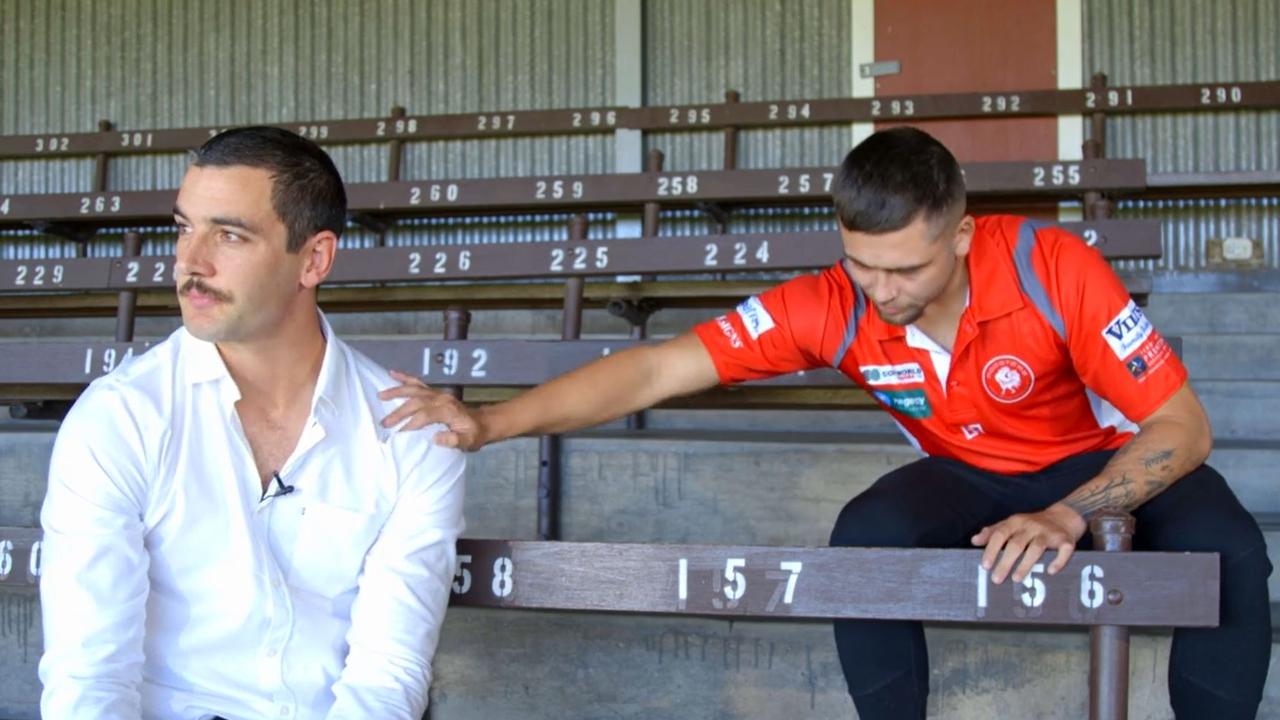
(940, 503)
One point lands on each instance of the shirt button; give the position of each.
(272, 652)
(284, 712)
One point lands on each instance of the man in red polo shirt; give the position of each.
(1011, 355)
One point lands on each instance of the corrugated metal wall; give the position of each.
(64, 64)
(1154, 42)
(765, 50)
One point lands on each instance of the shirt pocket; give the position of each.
(332, 544)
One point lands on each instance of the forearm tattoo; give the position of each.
(1118, 489)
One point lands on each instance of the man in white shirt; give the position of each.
(229, 532)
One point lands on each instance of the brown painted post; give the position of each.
(395, 156)
(127, 305)
(457, 321)
(730, 138)
(549, 448)
(100, 160)
(1112, 531)
(649, 224)
(640, 322)
(1095, 148)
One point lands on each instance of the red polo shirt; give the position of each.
(1052, 357)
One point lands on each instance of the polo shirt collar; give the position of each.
(993, 286)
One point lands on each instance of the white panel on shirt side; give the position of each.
(1108, 415)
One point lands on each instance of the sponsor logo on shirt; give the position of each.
(755, 318)
(727, 328)
(911, 403)
(904, 374)
(1137, 366)
(1151, 355)
(1127, 330)
(1007, 379)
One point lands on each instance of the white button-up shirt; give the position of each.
(172, 589)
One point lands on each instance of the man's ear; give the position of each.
(318, 252)
(964, 236)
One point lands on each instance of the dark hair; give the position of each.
(892, 177)
(306, 189)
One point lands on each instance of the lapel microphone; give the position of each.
(281, 488)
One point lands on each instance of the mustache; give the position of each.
(195, 283)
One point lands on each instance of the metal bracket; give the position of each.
(882, 67)
(75, 233)
(636, 312)
(371, 223)
(716, 211)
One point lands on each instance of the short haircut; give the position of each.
(306, 189)
(893, 177)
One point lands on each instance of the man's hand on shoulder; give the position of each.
(424, 406)
(1028, 536)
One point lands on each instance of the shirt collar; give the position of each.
(203, 363)
(993, 283)
(993, 280)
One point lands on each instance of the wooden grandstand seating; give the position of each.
(1098, 98)
(1107, 591)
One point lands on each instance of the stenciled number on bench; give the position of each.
(503, 582)
(7, 562)
(52, 144)
(135, 140)
(399, 126)
(734, 584)
(893, 108)
(5, 204)
(434, 193)
(1001, 103)
(448, 360)
(100, 204)
(676, 186)
(1221, 95)
(595, 118)
(462, 575)
(441, 262)
(133, 269)
(579, 258)
(503, 576)
(804, 183)
(689, 116)
(314, 132)
(106, 362)
(1031, 592)
(495, 123)
(742, 254)
(790, 111)
(38, 275)
(558, 189)
(1112, 98)
(1056, 175)
(1091, 237)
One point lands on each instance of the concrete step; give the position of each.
(1242, 409)
(1216, 313)
(536, 666)
(1249, 357)
(633, 668)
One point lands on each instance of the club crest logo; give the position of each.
(1007, 378)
